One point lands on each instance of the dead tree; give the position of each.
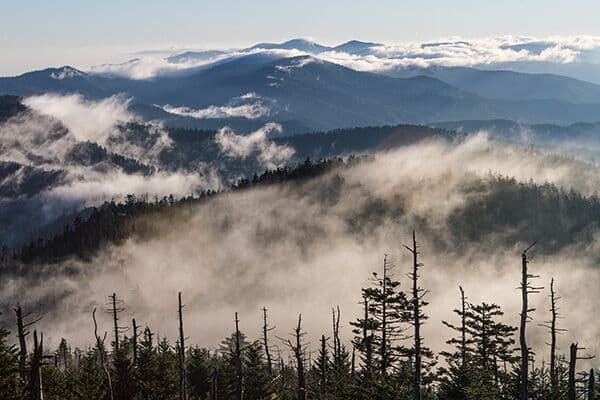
(134, 341)
(22, 333)
(297, 349)
(239, 393)
(101, 352)
(182, 386)
(526, 289)
(35, 378)
(115, 306)
(573, 357)
(337, 346)
(552, 327)
(266, 330)
(417, 318)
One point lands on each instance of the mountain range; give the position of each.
(268, 82)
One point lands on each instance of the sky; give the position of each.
(36, 34)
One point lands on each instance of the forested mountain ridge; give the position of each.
(502, 211)
(307, 93)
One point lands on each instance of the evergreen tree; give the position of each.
(167, 384)
(91, 379)
(257, 380)
(492, 342)
(9, 368)
(198, 373)
(125, 379)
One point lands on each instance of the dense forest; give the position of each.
(382, 354)
(501, 209)
(385, 357)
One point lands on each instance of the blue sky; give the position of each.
(36, 33)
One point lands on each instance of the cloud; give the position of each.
(447, 52)
(304, 247)
(61, 168)
(250, 105)
(151, 66)
(93, 120)
(269, 154)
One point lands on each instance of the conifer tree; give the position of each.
(168, 372)
(9, 368)
(257, 380)
(125, 379)
(148, 365)
(91, 379)
(198, 373)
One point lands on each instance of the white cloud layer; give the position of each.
(269, 154)
(250, 106)
(86, 119)
(383, 58)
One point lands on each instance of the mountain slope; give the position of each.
(510, 85)
(319, 95)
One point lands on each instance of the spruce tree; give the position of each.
(257, 380)
(198, 373)
(9, 368)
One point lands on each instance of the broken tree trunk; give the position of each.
(266, 330)
(572, 394)
(115, 319)
(526, 289)
(100, 346)
(238, 361)
(182, 386)
(134, 342)
(416, 298)
(301, 395)
(36, 367)
(21, 333)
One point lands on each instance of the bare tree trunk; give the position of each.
(21, 333)
(36, 367)
(572, 394)
(526, 289)
(134, 342)
(238, 361)
(553, 310)
(301, 395)
(384, 340)
(266, 330)
(416, 319)
(100, 346)
(337, 347)
(182, 386)
(522, 336)
(114, 311)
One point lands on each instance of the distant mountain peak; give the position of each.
(356, 47)
(294, 44)
(65, 72)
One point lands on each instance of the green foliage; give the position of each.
(257, 381)
(8, 368)
(124, 373)
(199, 373)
